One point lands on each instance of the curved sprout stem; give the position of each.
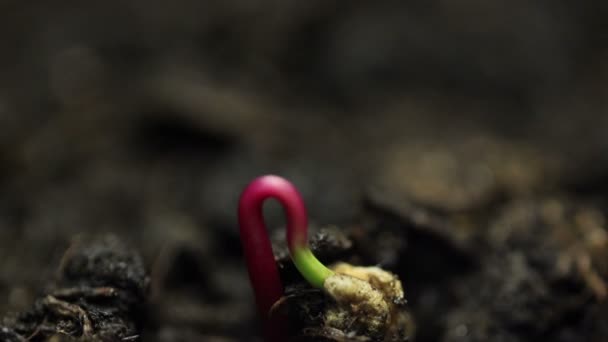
(263, 271)
(311, 269)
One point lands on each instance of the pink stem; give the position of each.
(263, 271)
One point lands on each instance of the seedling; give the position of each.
(367, 292)
(263, 270)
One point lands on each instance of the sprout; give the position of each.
(368, 292)
(263, 271)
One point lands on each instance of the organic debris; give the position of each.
(98, 297)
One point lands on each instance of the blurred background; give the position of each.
(147, 118)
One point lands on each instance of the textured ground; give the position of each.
(459, 144)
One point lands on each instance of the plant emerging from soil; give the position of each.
(367, 293)
(263, 271)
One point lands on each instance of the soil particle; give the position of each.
(100, 289)
(546, 264)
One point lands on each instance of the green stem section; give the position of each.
(310, 267)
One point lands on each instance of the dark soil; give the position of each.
(461, 145)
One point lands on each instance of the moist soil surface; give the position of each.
(464, 152)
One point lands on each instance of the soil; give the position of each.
(460, 145)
